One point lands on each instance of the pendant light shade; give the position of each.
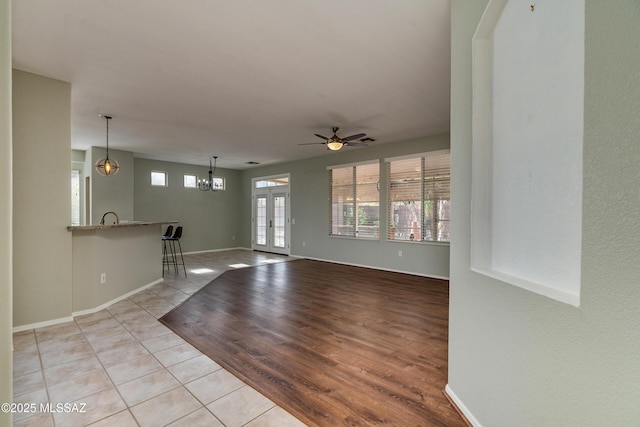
(106, 166)
(334, 144)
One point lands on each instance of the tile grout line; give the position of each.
(107, 372)
(166, 368)
(44, 379)
(140, 306)
(181, 384)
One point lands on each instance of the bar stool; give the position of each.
(167, 252)
(173, 239)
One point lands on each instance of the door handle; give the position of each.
(270, 224)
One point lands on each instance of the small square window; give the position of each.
(190, 181)
(218, 183)
(158, 179)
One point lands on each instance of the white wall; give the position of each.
(42, 198)
(518, 358)
(528, 108)
(6, 260)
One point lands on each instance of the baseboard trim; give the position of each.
(115, 300)
(292, 255)
(42, 324)
(216, 250)
(83, 312)
(464, 412)
(413, 273)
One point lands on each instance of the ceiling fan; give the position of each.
(335, 143)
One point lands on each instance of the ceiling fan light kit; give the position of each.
(336, 143)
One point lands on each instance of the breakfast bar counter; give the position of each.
(122, 224)
(112, 261)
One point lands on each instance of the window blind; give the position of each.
(354, 208)
(419, 192)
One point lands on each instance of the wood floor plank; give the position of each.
(332, 344)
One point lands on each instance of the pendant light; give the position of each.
(106, 166)
(211, 184)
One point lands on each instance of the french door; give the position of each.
(270, 219)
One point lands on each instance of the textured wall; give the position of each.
(528, 120)
(517, 358)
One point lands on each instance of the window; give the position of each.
(272, 182)
(354, 206)
(158, 179)
(75, 197)
(219, 183)
(419, 193)
(190, 181)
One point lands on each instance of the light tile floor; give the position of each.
(122, 367)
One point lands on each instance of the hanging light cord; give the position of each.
(215, 162)
(107, 118)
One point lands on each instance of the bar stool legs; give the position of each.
(175, 255)
(166, 261)
(170, 256)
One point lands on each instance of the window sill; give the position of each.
(338, 236)
(420, 242)
(548, 291)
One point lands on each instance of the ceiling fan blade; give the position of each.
(322, 137)
(313, 143)
(356, 144)
(352, 137)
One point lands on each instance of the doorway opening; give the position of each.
(270, 216)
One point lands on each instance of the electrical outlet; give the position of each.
(399, 253)
(103, 278)
(233, 237)
(304, 244)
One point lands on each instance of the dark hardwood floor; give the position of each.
(332, 344)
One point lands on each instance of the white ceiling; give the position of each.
(244, 80)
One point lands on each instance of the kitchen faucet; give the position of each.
(107, 213)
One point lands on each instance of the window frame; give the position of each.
(166, 178)
(271, 181)
(76, 197)
(357, 230)
(429, 178)
(195, 181)
(222, 179)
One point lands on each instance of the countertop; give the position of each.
(123, 224)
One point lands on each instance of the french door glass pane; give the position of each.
(279, 216)
(261, 220)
